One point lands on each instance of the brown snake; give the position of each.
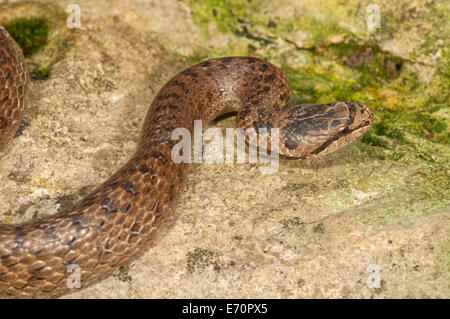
(118, 219)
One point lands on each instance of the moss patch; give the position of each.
(228, 15)
(41, 73)
(30, 34)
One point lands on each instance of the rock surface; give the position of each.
(313, 229)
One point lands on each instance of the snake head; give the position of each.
(310, 130)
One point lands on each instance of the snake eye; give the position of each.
(344, 130)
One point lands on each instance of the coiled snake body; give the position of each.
(118, 219)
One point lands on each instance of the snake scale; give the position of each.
(119, 218)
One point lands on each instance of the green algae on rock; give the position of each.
(30, 34)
